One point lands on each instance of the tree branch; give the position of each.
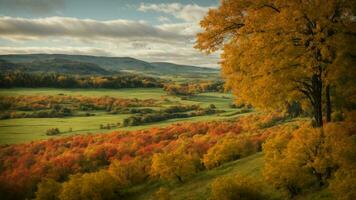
(271, 6)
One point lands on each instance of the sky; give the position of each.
(151, 30)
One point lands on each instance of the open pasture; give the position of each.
(29, 129)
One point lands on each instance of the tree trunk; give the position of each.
(328, 104)
(179, 179)
(317, 97)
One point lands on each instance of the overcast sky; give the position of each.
(151, 30)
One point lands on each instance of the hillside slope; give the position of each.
(54, 65)
(198, 187)
(113, 63)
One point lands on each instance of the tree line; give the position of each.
(172, 112)
(62, 105)
(19, 79)
(192, 88)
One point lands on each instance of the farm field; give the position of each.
(29, 129)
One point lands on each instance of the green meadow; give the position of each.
(30, 129)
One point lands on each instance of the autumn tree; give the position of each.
(310, 158)
(127, 173)
(297, 160)
(71, 190)
(48, 189)
(228, 149)
(97, 185)
(343, 137)
(276, 52)
(174, 165)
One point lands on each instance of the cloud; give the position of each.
(166, 42)
(41, 6)
(188, 12)
(188, 29)
(55, 50)
(21, 29)
(163, 19)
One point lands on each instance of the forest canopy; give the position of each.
(277, 52)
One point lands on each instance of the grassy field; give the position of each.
(30, 129)
(139, 93)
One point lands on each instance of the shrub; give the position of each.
(272, 120)
(337, 116)
(228, 149)
(343, 185)
(53, 131)
(343, 142)
(236, 188)
(129, 172)
(174, 166)
(97, 185)
(71, 190)
(48, 189)
(296, 160)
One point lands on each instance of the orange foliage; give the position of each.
(22, 166)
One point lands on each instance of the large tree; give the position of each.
(279, 51)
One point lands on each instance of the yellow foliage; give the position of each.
(71, 189)
(96, 186)
(277, 52)
(48, 189)
(293, 160)
(343, 185)
(228, 149)
(236, 188)
(176, 165)
(343, 142)
(308, 157)
(127, 173)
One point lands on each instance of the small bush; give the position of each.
(48, 189)
(127, 173)
(228, 149)
(236, 188)
(175, 166)
(337, 116)
(53, 131)
(96, 185)
(212, 106)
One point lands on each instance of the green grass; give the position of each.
(30, 129)
(198, 187)
(139, 93)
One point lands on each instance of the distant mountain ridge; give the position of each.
(55, 65)
(94, 64)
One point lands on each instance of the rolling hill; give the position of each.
(55, 65)
(112, 64)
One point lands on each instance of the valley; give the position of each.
(178, 100)
(30, 129)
